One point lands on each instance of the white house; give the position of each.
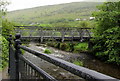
(92, 18)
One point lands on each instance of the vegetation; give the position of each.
(70, 47)
(6, 28)
(47, 51)
(107, 41)
(81, 47)
(51, 14)
(79, 63)
(4, 52)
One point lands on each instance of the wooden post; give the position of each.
(17, 52)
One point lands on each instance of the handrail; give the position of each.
(42, 72)
(77, 70)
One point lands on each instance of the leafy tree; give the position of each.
(107, 17)
(7, 28)
(107, 41)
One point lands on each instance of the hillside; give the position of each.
(53, 13)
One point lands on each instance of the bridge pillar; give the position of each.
(41, 34)
(72, 34)
(41, 40)
(90, 44)
(63, 35)
(80, 34)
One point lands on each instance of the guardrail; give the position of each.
(22, 68)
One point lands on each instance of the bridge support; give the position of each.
(62, 35)
(41, 34)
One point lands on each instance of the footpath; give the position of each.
(4, 74)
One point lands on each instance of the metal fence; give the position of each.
(20, 68)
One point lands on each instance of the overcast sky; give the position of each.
(22, 4)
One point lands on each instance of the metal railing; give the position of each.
(22, 68)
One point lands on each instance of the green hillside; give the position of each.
(53, 13)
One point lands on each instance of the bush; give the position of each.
(4, 52)
(65, 46)
(47, 51)
(81, 47)
(7, 28)
(108, 45)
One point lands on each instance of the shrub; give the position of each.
(47, 51)
(65, 46)
(81, 47)
(108, 45)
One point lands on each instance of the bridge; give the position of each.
(54, 33)
(21, 68)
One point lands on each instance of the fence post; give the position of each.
(17, 52)
(9, 39)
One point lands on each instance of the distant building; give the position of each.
(92, 18)
(77, 19)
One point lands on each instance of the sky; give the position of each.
(22, 4)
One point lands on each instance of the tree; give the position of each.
(107, 17)
(3, 5)
(7, 26)
(107, 41)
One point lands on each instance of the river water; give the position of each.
(88, 62)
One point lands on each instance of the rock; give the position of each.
(55, 69)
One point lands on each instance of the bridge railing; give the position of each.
(53, 32)
(22, 68)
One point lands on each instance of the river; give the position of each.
(88, 60)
